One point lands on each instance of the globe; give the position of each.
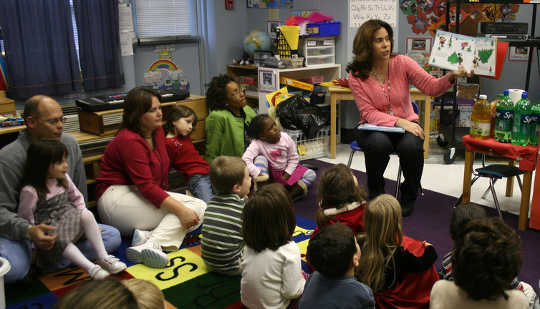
(257, 40)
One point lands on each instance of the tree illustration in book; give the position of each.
(474, 53)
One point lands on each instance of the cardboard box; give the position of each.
(7, 106)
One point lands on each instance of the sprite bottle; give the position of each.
(504, 118)
(535, 128)
(522, 121)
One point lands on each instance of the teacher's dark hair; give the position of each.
(363, 47)
(137, 102)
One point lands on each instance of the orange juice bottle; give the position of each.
(481, 118)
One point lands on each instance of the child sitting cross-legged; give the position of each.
(273, 154)
(271, 268)
(222, 241)
(334, 253)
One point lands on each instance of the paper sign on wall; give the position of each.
(362, 10)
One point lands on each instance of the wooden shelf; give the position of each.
(7, 130)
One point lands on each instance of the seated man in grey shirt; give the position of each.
(44, 120)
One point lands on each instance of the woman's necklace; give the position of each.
(384, 83)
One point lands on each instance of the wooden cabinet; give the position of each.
(106, 123)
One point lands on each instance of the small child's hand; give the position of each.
(43, 236)
(426, 243)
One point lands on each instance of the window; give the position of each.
(75, 31)
(158, 18)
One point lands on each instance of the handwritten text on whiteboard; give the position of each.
(363, 10)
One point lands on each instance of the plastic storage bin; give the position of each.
(323, 29)
(319, 51)
(317, 147)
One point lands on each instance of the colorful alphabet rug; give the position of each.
(186, 282)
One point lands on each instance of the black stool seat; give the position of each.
(499, 171)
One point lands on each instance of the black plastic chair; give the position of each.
(494, 172)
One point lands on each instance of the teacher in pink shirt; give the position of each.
(380, 82)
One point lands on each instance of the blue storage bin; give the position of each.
(323, 29)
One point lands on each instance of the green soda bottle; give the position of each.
(535, 127)
(522, 121)
(504, 118)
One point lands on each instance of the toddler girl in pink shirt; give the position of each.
(273, 154)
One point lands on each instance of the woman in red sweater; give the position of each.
(132, 184)
(380, 81)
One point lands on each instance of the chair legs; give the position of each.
(350, 158)
(398, 180)
(492, 187)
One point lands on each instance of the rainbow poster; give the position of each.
(162, 64)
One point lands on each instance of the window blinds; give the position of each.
(158, 18)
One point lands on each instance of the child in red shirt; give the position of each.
(340, 199)
(183, 155)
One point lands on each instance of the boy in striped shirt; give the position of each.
(222, 241)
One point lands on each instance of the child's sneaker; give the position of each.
(528, 290)
(140, 237)
(149, 254)
(262, 178)
(98, 273)
(112, 264)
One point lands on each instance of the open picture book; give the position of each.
(450, 50)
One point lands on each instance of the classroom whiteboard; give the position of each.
(361, 11)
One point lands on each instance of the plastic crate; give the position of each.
(323, 29)
(316, 147)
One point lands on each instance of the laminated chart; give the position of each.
(450, 50)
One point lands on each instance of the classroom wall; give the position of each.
(513, 74)
(226, 32)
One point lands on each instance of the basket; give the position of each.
(293, 62)
(316, 147)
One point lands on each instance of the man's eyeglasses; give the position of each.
(54, 121)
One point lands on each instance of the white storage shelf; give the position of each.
(319, 51)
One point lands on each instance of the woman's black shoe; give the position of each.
(407, 208)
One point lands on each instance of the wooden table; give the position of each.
(339, 93)
(493, 148)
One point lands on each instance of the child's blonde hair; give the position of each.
(147, 294)
(383, 236)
